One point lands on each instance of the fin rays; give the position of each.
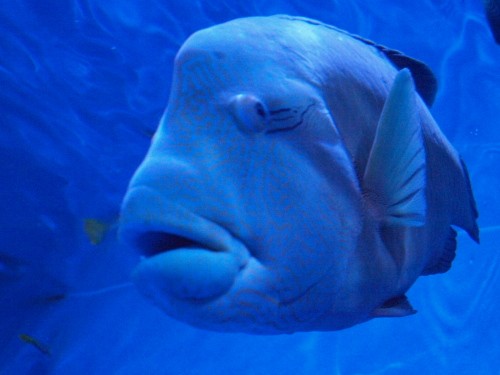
(395, 172)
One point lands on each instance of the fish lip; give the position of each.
(147, 217)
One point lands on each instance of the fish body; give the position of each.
(297, 181)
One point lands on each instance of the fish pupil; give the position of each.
(259, 108)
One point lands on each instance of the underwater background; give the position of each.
(83, 84)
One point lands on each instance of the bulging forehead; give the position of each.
(258, 34)
(258, 47)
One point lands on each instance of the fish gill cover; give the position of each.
(84, 85)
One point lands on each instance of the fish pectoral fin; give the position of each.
(396, 307)
(394, 179)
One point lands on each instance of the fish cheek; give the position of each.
(292, 244)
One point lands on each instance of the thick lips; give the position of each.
(186, 256)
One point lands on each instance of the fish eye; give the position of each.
(251, 114)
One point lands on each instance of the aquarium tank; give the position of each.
(84, 85)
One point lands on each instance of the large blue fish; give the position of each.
(297, 182)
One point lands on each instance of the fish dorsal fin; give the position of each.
(394, 179)
(394, 308)
(425, 81)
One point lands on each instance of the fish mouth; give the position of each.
(151, 243)
(185, 256)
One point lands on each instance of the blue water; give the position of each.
(83, 85)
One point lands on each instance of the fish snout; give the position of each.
(185, 256)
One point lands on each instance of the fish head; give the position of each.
(246, 208)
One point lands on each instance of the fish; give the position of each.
(297, 182)
(492, 10)
(95, 230)
(37, 344)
